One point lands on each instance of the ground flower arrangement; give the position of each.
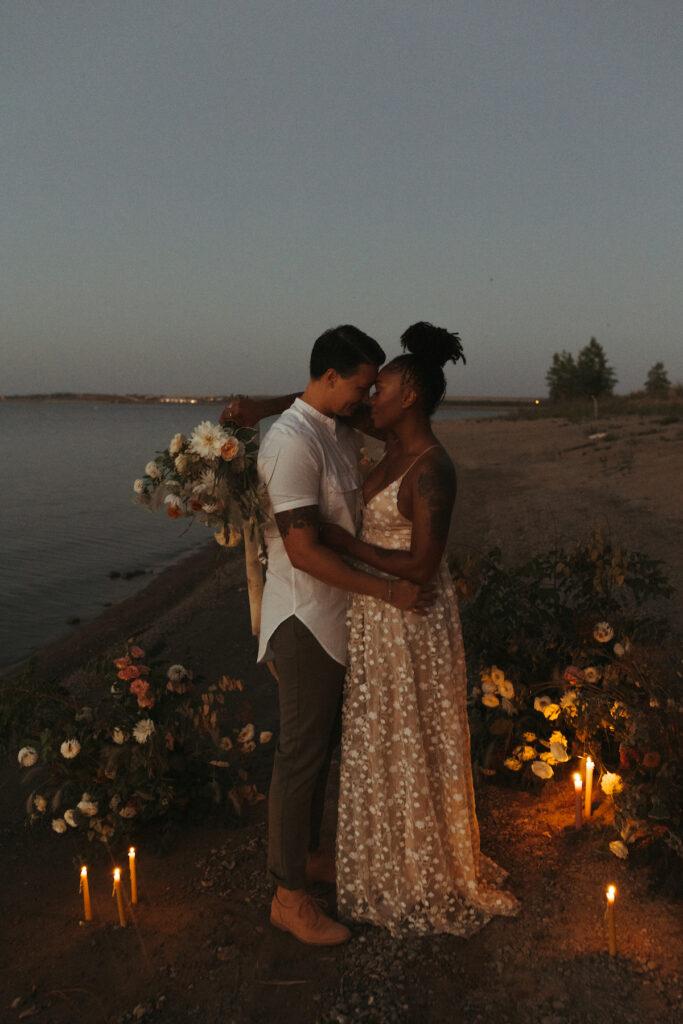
(158, 748)
(565, 664)
(210, 477)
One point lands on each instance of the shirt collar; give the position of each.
(308, 412)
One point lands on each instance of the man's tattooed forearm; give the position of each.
(296, 519)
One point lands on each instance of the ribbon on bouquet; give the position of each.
(254, 570)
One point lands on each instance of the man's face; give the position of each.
(347, 393)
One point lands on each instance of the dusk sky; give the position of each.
(193, 191)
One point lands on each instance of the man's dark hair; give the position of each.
(343, 349)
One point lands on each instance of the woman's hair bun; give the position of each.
(430, 344)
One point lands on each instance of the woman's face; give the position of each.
(391, 398)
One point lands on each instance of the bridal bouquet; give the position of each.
(212, 477)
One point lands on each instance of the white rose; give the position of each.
(152, 470)
(619, 849)
(70, 817)
(541, 702)
(177, 442)
(542, 769)
(620, 651)
(490, 700)
(128, 811)
(176, 673)
(265, 737)
(59, 825)
(138, 486)
(70, 748)
(87, 807)
(118, 736)
(40, 803)
(27, 757)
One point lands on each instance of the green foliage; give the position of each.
(561, 378)
(657, 383)
(594, 375)
(561, 651)
(589, 376)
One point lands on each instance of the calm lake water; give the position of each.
(67, 517)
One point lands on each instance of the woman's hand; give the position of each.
(336, 537)
(244, 411)
(410, 597)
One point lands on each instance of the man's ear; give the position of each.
(330, 377)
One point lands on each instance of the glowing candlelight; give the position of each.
(133, 876)
(85, 889)
(117, 894)
(589, 786)
(577, 799)
(611, 927)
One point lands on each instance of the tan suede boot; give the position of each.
(320, 867)
(303, 916)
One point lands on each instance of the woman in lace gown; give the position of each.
(407, 838)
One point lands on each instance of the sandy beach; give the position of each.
(202, 949)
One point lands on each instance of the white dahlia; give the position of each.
(152, 470)
(139, 486)
(143, 730)
(59, 825)
(207, 440)
(70, 817)
(27, 757)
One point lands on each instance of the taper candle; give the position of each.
(133, 876)
(117, 894)
(611, 927)
(589, 786)
(85, 889)
(577, 800)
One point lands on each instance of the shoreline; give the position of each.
(523, 486)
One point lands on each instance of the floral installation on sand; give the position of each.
(592, 674)
(155, 748)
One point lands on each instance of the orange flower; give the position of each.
(652, 759)
(122, 662)
(195, 505)
(174, 512)
(130, 672)
(137, 652)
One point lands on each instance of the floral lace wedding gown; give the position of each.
(407, 838)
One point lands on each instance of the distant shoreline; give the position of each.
(449, 401)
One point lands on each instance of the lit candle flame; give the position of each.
(589, 763)
(131, 852)
(611, 892)
(84, 872)
(577, 782)
(117, 874)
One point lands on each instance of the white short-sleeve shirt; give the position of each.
(307, 458)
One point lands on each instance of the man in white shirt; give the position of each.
(309, 463)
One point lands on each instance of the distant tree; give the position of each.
(594, 375)
(561, 378)
(657, 383)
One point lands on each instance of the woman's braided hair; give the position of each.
(428, 349)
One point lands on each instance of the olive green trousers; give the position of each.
(310, 687)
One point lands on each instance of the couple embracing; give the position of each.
(360, 619)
